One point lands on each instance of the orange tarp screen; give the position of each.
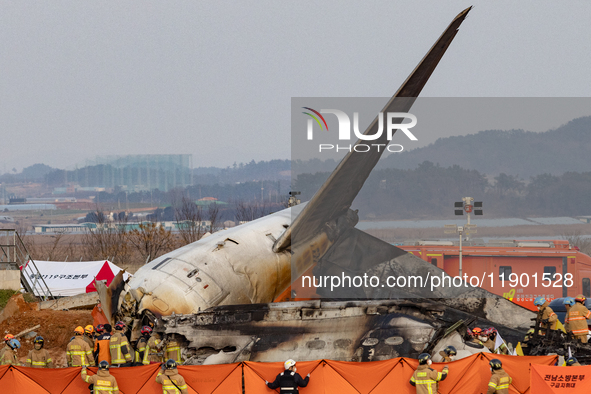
(550, 380)
(468, 375)
(218, 379)
(206, 379)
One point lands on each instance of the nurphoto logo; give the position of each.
(394, 121)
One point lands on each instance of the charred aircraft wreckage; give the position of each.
(216, 295)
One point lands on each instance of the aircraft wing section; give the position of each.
(336, 195)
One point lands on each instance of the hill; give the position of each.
(516, 152)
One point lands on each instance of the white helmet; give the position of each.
(289, 363)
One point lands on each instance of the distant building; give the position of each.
(209, 200)
(137, 172)
(63, 228)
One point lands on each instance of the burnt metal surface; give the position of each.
(358, 254)
(544, 341)
(310, 330)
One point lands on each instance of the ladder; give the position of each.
(14, 255)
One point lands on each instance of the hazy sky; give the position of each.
(80, 79)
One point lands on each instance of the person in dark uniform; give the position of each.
(289, 380)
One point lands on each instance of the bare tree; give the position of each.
(576, 238)
(213, 211)
(54, 249)
(188, 217)
(151, 240)
(245, 212)
(107, 240)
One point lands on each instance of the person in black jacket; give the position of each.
(289, 380)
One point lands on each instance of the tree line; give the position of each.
(430, 190)
(130, 243)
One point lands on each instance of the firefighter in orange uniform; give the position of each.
(78, 353)
(500, 380)
(101, 344)
(577, 319)
(426, 379)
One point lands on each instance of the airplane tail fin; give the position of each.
(336, 195)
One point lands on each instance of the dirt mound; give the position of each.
(57, 327)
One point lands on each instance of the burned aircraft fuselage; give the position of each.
(311, 330)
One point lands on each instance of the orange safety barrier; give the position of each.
(203, 379)
(468, 375)
(550, 380)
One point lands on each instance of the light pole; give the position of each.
(468, 205)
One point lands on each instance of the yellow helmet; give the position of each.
(89, 329)
(79, 330)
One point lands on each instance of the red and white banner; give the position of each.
(66, 279)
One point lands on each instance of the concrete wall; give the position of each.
(10, 279)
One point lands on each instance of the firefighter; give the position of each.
(577, 317)
(568, 303)
(527, 338)
(572, 362)
(499, 380)
(171, 381)
(546, 316)
(289, 380)
(103, 382)
(119, 347)
(88, 335)
(141, 353)
(154, 348)
(39, 357)
(7, 339)
(448, 354)
(98, 330)
(426, 379)
(10, 356)
(492, 333)
(101, 345)
(479, 337)
(78, 353)
(489, 343)
(172, 350)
